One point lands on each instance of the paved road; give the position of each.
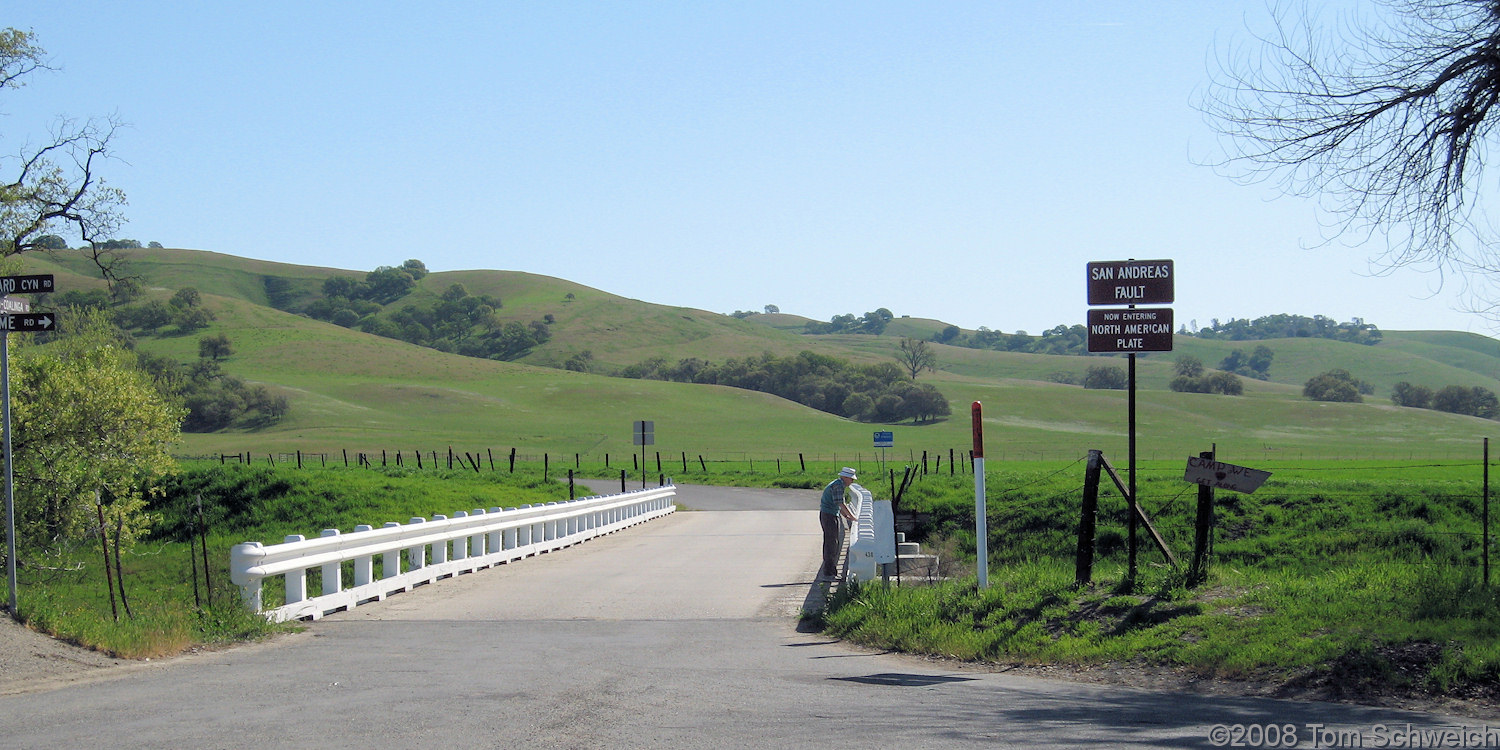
(678, 633)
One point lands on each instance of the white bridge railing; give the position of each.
(872, 539)
(423, 550)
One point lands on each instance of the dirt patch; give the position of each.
(32, 661)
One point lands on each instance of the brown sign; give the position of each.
(1130, 330)
(1131, 282)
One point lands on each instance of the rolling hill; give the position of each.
(350, 390)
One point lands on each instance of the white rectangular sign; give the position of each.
(1209, 472)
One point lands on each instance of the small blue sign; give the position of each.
(885, 440)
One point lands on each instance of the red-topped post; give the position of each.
(981, 530)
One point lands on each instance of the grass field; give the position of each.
(352, 391)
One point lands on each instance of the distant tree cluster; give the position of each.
(457, 322)
(123, 304)
(1454, 399)
(1056, 340)
(1256, 365)
(1190, 376)
(347, 300)
(870, 393)
(872, 323)
(1283, 326)
(1337, 385)
(1106, 377)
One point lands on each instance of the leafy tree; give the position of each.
(1224, 383)
(56, 186)
(1486, 404)
(186, 297)
(1188, 366)
(215, 347)
(1260, 362)
(772, 309)
(859, 406)
(579, 362)
(51, 242)
(915, 355)
(1105, 377)
(190, 319)
(1334, 385)
(1257, 364)
(346, 287)
(948, 334)
(125, 290)
(86, 420)
(1415, 396)
(415, 268)
(1454, 399)
(148, 317)
(1384, 119)
(386, 284)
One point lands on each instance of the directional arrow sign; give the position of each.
(34, 284)
(28, 322)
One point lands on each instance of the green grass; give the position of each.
(1352, 577)
(352, 391)
(64, 593)
(1357, 628)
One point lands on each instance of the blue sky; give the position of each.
(961, 161)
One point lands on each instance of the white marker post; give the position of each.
(981, 523)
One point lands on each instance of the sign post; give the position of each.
(883, 440)
(981, 520)
(17, 316)
(1131, 283)
(644, 434)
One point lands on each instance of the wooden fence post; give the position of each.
(1083, 571)
(1202, 525)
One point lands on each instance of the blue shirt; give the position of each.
(833, 497)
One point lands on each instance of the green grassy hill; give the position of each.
(350, 390)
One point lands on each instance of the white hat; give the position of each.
(846, 472)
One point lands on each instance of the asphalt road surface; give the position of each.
(678, 633)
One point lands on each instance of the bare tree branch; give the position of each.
(56, 188)
(1383, 117)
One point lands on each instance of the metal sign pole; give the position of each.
(1131, 564)
(981, 512)
(10, 497)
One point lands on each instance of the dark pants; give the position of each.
(833, 530)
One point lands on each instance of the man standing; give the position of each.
(830, 508)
